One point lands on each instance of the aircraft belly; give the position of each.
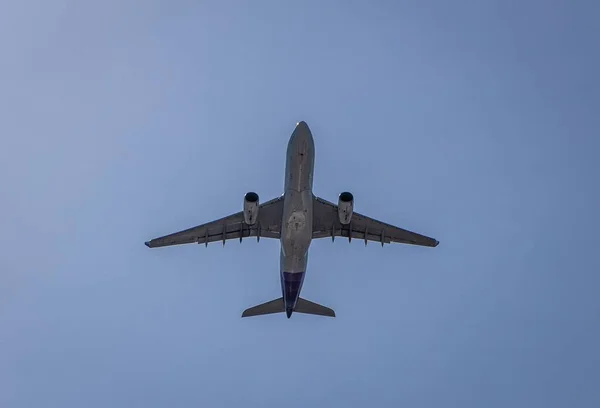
(296, 232)
(296, 236)
(297, 219)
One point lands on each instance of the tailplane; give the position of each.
(278, 306)
(274, 306)
(308, 307)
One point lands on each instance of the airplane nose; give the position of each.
(302, 128)
(301, 140)
(302, 132)
(302, 125)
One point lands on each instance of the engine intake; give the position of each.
(345, 207)
(251, 208)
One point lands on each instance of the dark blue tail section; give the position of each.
(291, 283)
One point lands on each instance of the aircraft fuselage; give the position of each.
(295, 218)
(297, 222)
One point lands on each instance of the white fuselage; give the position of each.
(297, 222)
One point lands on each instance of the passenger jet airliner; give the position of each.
(295, 218)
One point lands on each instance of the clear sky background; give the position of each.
(475, 122)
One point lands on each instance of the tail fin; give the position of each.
(308, 307)
(274, 306)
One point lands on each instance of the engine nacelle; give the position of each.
(345, 207)
(251, 208)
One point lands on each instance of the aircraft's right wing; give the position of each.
(327, 224)
(268, 225)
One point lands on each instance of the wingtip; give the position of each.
(147, 243)
(436, 243)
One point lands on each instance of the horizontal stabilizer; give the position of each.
(308, 307)
(274, 306)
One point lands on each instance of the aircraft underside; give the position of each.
(295, 218)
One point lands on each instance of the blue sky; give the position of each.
(474, 122)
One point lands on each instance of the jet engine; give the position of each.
(250, 208)
(345, 207)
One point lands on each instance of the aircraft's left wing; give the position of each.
(327, 224)
(268, 225)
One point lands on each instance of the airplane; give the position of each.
(295, 219)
